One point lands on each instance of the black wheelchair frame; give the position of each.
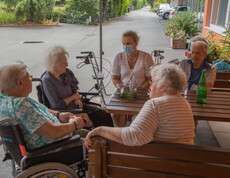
(16, 150)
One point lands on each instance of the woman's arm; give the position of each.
(110, 133)
(146, 83)
(148, 64)
(116, 80)
(56, 131)
(73, 97)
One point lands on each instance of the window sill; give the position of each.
(216, 29)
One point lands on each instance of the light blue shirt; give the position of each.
(31, 115)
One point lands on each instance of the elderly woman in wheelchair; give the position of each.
(61, 88)
(38, 124)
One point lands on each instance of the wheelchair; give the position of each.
(43, 161)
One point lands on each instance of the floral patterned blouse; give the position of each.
(31, 115)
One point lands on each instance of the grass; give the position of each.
(6, 17)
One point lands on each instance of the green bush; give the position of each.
(58, 12)
(34, 10)
(6, 17)
(77, 11)
(186, 21)
(156, 4)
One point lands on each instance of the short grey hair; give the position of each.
(10, 73)
(133, 34)
(204, 45)
(169, 75)
(54, 56)
(199, 38)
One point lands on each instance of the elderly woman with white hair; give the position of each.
(166, 116)
(40, 126)
(61, 86)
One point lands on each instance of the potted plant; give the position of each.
(185, 22)
(177, 38)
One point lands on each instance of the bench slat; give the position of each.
(223, 75)
(167, 166)
(133, 173)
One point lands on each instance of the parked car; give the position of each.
(179, 10)
(162, 7)
(165, 13)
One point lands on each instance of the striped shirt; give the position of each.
(168, 118)
(138, 73)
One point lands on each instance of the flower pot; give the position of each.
(178, 43)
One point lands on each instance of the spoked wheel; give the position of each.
(48, 170)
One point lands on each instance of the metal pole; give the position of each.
(101, 52)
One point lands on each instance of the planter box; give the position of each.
(178, 43)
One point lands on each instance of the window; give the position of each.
(219, 12)
(219, 15)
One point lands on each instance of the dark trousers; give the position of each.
(98, 116)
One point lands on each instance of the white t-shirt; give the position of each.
(138, 73)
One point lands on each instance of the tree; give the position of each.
(34, 10)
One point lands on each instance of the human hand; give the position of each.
(79, 120)
(76, 96)
(79, 103)
(65, 116)
(88, 141)
(189, 55)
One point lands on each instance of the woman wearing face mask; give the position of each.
(132, 64)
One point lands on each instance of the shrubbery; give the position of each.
(34, 10)
(6, 17)
(186, 21)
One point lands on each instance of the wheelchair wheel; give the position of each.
(48, 170)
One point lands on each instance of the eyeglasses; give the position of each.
(29, 76)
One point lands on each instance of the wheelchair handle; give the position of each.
(86, 52)
(81, 57)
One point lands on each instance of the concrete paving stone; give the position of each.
(223, 127)
(223, 139)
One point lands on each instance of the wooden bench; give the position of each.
(222, 82)
(157, 159)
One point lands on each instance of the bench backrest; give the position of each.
(222, 81)
(157, 159)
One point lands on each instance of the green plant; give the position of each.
(177, 33)
(225, 42)
(214, 47)
(131, 95)
(7, 17)
(34, 10)
(186, 21)
(58, 12)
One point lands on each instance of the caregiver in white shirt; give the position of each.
(132, 64)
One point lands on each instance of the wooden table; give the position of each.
(217, 107)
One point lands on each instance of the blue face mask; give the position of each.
(128, 49)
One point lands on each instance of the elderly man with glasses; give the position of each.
(193, 67)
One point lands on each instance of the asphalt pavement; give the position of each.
(78, 38)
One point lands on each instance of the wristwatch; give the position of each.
(76, 125)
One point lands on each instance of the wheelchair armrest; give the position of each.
(88, 93)
(73, 111)
(53, 146)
